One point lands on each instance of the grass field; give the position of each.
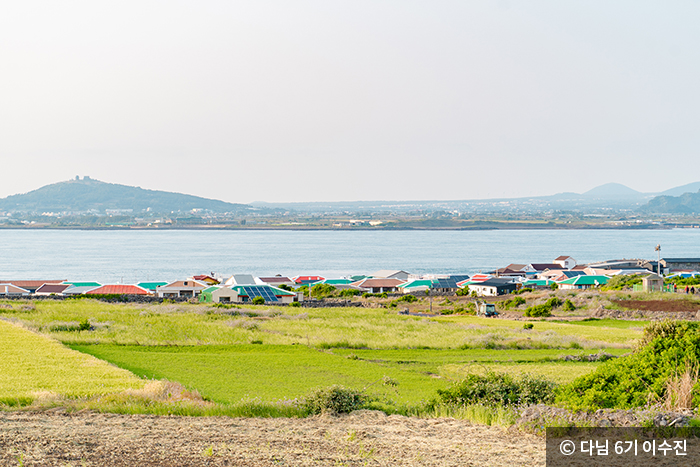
(242, 356)
(227, 374)
(185, 324)
(32, 364)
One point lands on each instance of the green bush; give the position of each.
(544, 310)
(378, 295)
(349, 293)
(528, 326)
(334, 400)
(295, 304)
(463, 292)
(683, 281)
(407, 298)
(322, 291)
(498, 389)
(666, 349)
(512, 303)
(84, 325)
(538, 311)
(622, 282)
(258, 301)
(523, 290)
(568, 305)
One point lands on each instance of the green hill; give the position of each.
(87, 194)
(687, 203)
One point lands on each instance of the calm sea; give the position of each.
(132, 256)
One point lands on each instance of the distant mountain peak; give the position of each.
(613, 190)
(88, 194)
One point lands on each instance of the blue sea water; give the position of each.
(139, 255)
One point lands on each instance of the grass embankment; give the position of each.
(33, 366)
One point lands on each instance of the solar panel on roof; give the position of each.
(264, 292)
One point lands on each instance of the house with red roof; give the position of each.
(209, 280)
(118, 289)
(306, 280)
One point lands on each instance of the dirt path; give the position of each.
(363, 438)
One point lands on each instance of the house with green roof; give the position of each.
(152, 286)
(583, 282)
(246, 294)
(417, 285)
(83, 284)
(218, 294)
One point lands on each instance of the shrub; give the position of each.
(666, 349)
(258, 301)
(622, 282)
(538, 311)
(334, 400)
(544, 310)
(523, 290)
(463, 292)
(322, 290)
(349, 292)
(378, 295)
(512, 303)
(528, 326)
(498, 389)
(407, 298)
(84, 325)
(568, 305)
(295, 304)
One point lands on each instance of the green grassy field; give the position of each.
(185, 324)
(276, 354)
(32, 364)
(228, 374)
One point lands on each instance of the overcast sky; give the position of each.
(349, 99)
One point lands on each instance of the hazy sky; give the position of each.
(350, 99)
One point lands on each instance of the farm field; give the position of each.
(268, 354)
(376, 328)
(32, 366)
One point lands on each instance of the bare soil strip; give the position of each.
(660, 305)
(360, 439)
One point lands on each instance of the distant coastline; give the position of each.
(503, 226)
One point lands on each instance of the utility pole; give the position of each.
(658, 264)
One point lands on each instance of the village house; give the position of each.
(391, 274)
(52, 289)
(218, 294)
(246, 293)
(583, 282)
(566, 262)
(178, 289)
(492, 287)
(375, 285)
(118, 289)
(670, 265)
(275, 281)
(10, 290)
